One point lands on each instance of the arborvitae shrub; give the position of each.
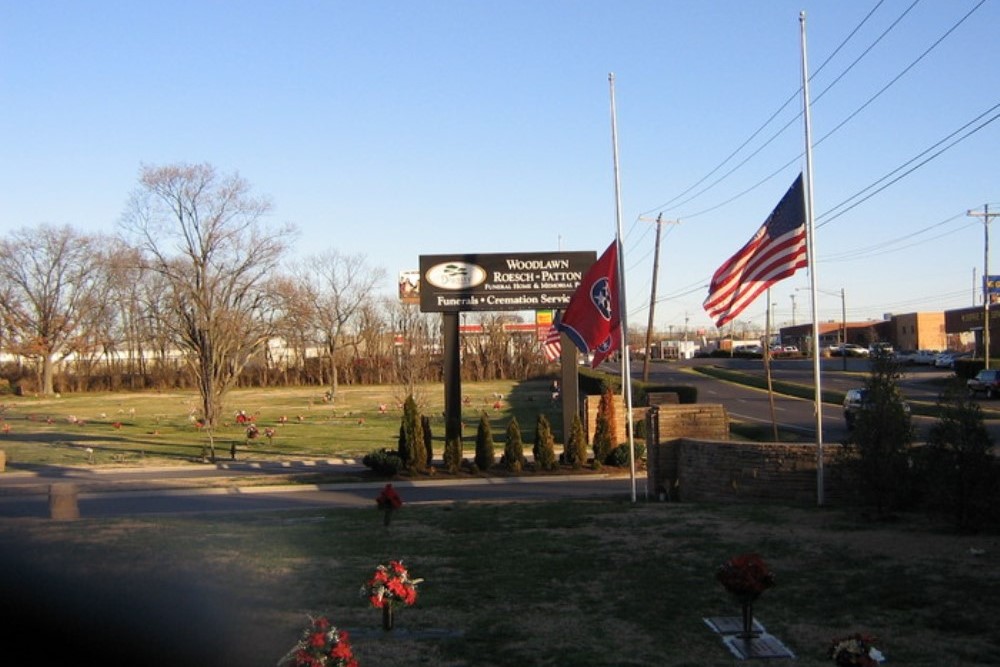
(484, 444)
(412, 450)
(544, 450)
(513, 450)
(575, 451)
(604, 429)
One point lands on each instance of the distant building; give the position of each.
(910, 331)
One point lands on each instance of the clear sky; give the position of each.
(397, 129)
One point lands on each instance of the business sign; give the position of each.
(409, 287)
(504, 281)
(991, 286)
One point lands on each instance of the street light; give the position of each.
(842, 333)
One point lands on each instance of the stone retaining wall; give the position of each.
(690, 457)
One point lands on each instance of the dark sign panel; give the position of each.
(504, 281)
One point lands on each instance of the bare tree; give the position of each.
(204, 235)
(53, 294)
(415, 348)
(375, 336)
(295, 326)
(341, 284)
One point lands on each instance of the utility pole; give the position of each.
(985, 215)
(793, 309)
(652, 300)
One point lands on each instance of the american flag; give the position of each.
(552, 347)
(775, 252)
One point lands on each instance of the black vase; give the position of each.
(388, 617)
(748, 632)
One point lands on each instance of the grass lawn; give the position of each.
(560, 583)
(124, 428)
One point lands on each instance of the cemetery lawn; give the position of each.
(586, 582)
(161, 427)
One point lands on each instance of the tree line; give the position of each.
(197, 289)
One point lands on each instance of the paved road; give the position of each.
(919, 383)
(181, 490)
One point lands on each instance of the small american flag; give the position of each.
(552, 347)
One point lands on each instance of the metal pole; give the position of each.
(843, 326)
(811, 245)
(626, 368)
(652, 300)
(985, 215)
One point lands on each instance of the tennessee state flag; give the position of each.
(604, 350)
(593, 315)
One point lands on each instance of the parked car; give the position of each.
(856, 400)
(880, 348)
(947, 359)
(986, 382)
(943, 359)
(848, 350)
(923, 357)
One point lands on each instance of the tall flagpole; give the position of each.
(811, 247)
(625, 364)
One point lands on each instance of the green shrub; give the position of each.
(484, 444)
(575, 449)
(513, 450)
(605, 428)
(620, 454)
(383, 462)
(412, 450)
(544, 450)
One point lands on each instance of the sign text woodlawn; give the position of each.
(501, 281)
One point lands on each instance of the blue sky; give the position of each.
(396, 129)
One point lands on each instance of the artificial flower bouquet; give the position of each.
(856, 649)
(745, 576)
(391, 585)
(388, 499)
(321, 645)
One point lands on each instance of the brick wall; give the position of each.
(703, 470)
(690, 457)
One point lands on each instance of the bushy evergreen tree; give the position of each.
(484, 444)
(513, 450)
(412, 450)
(878, 446)
(962, 473)
(575, 451)
(544, 449)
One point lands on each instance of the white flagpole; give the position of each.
(811, 247)
(626, 369)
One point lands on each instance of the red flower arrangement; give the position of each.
(388, 499)
(391, 585)
(321, 645)
(745, 576)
